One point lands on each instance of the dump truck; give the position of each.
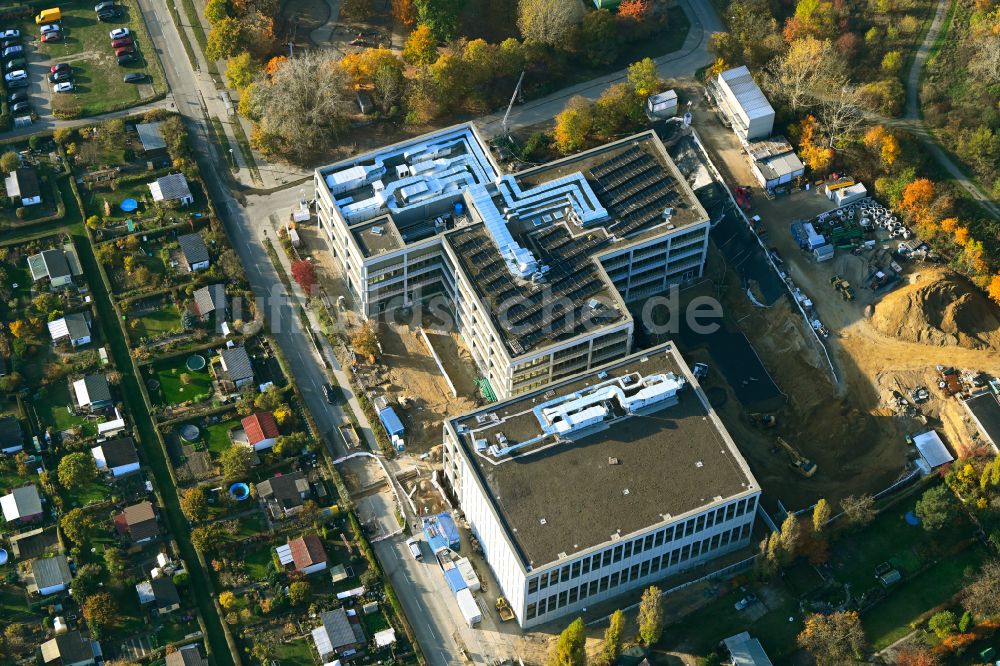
(797, 461)
(503, 607)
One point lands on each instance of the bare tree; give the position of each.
(303, 108)
(987, 61)
(982, 595)
(840, 113)
(549, 22)
(801, 74)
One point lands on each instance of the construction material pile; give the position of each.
(939, 308)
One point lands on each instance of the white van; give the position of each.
(414, 545)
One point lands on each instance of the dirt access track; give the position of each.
(847, 426)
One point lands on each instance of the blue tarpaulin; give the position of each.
(441, 532)
(391, 421)
(455, 580)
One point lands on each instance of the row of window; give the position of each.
(636, 571)
(632, 548)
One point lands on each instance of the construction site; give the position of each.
(841, 360)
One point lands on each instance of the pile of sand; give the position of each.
(939, 308)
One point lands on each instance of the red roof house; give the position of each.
(261, 430)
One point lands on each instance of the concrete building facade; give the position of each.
(535, 268)
(650, 484)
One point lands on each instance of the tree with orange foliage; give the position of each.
(635, 10)
(916, 201)
(273, 64)
(404, 12)
(817, 158)
(836, 638)
(916, 657)
(961, 236)
(949, 224)
(994, 289)
(18, 328)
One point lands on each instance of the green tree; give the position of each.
(573, 125)
(87, 581)
(937, 508)
(208, 538)
(76, 526)
(643, 78)
(9, 161)
(216, 10)
(194, 504)
(76, 469)
(965, 623)
(611, 649)
(892, 62)
(225, 39)
(943, 624)
(617, 110)
(241, 70)
(651, 616)
(441, 16)
(236, 461)
(299, 593)
(365, 341)
(570, 649)
(421, 46)
(63, 135)
(599, 32)
(114, 560)
(821, 515)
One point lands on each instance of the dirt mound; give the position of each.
(939, 308)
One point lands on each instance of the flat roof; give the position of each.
(378, 237)
(747, 93)
(986, 410)
(528, 315)
(615, 478)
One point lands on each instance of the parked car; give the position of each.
(20, 107)
(60, 67)
(125, 50)
(109, 15)
(746, 601)
(65, 86)
(51, 37)
(104, 6)
(7, 43)
(126, 59)
(331, 395)
(16, 75)
(50, 27)
(10, 33)
(19, 83)
(19, 96)
(13, 51)
(16, 63)
(60, 76)
(134, 77)
(118, 33)
(124, 41)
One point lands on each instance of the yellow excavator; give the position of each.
(503, 607)
(797, 461)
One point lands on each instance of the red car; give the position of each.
(124, 41)
(124, 51)
(60, 67)
(52, 36)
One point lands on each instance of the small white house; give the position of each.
(48, 575)
(70, 649)
(73, 328)
(662, 105)
(117, 456)
(194, 252)
(172, 187)
(304, 554)
(743, 104)
(22, 184)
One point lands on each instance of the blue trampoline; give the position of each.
(129, 205)
(911, 518)
(239, 491)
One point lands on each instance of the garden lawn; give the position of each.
(174, 630)
(259, 563)
(889, 620)
(298, 652)
(13, 601)
(167, 319)
(889, 539)
(89, 493)
(173, 391)
(55, 409)
(96, 74)
(217, 436)
(702, 630)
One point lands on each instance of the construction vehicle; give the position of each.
(797, 461)
(503, 607)
(763, 420)
(843, 287)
